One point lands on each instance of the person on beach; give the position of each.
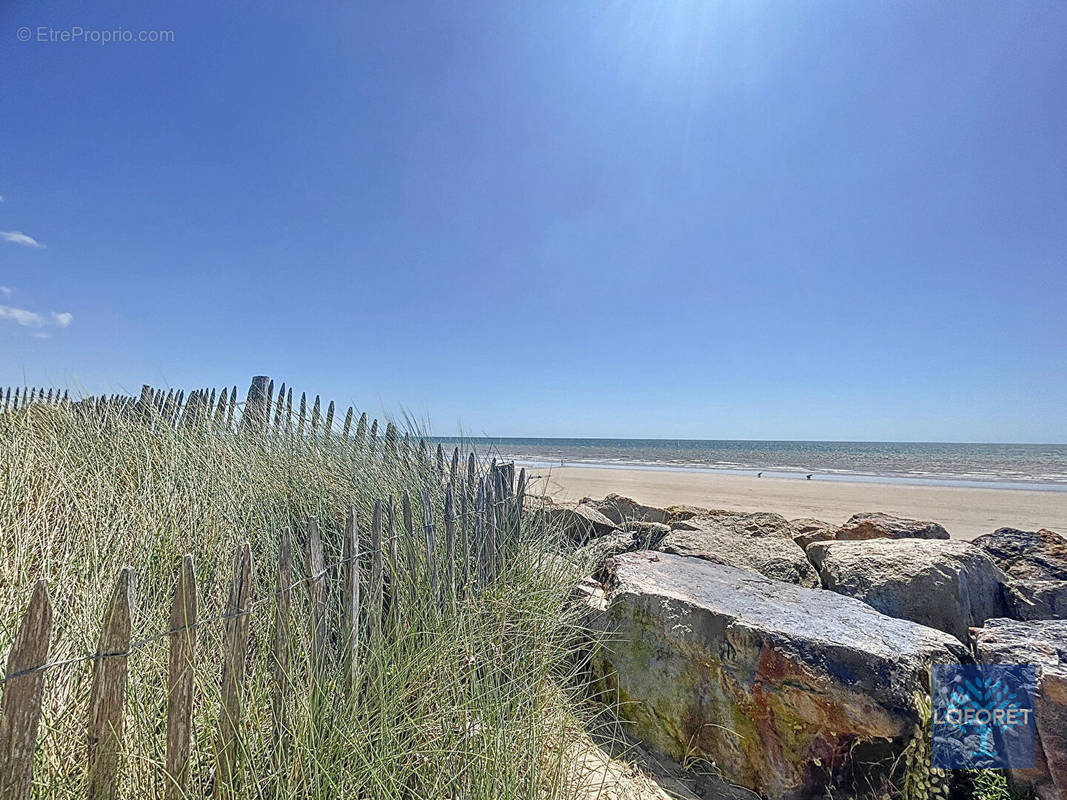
(809, 477)
(759, 474)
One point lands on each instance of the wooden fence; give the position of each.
(263, 412)
(481, 518)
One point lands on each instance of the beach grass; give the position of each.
(470, 698)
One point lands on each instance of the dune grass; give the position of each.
(468, 700)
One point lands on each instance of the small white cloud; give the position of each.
(5, 291)
(32, 319)
(18, 237)
(41, 335)
(1, 198)
(27, 319)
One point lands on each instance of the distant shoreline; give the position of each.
(1026, 467)
(836, 477)
(964, 511)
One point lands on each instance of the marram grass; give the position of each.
(471, 700)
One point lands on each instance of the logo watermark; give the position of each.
(983, 716)
(76, 34)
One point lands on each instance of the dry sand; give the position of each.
(965, 512)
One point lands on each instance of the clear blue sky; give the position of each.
(831, 220)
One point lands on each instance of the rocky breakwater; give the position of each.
(785, 689)
(790, 653)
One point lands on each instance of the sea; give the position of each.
(1005, 466)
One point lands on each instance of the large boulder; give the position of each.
(577, 521)
(949, 585)
(621, 509)
(887, 526)
(1029, 600)
(759, 524)
(781, 687)
(807, 530)
(745, 543)
(1028, 555)
(1044, 644)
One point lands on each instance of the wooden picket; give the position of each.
(182, 635)
(107, 697)
(233, 674)
(20, 711)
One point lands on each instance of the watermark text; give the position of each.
(77, 34)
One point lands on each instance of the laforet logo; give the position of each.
(983, 716)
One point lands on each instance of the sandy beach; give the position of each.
(965, 512)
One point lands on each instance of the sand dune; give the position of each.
(965, 512)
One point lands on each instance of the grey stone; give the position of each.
(877, 525)
(597, 551)
(1028, 555)
(949, 585)
(1030, 600)
(650, 534)
(770, 682)
(621, 509)
(747, 542)
(807, 530)
(577, 521)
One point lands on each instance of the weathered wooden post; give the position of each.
(20, 712)
(256, 405)
(278, 408)
(233, 674)
(180, 679)
(107, 698)
(361, 431)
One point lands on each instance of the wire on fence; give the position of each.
(155, 637)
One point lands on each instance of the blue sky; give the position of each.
(829, 220)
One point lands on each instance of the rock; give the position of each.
(744, 543)
(597, 551)
(761, 524)
(579, 522)
(887, 526)
(758, 524)
(809, 525)
(1044, 644)
(679, 513)
(776, 685)
(621, 509)
(1029, 555)
(650, 534)
(1030, 600)
(949, 585)
(807, 530)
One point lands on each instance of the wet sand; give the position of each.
(965, 512)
